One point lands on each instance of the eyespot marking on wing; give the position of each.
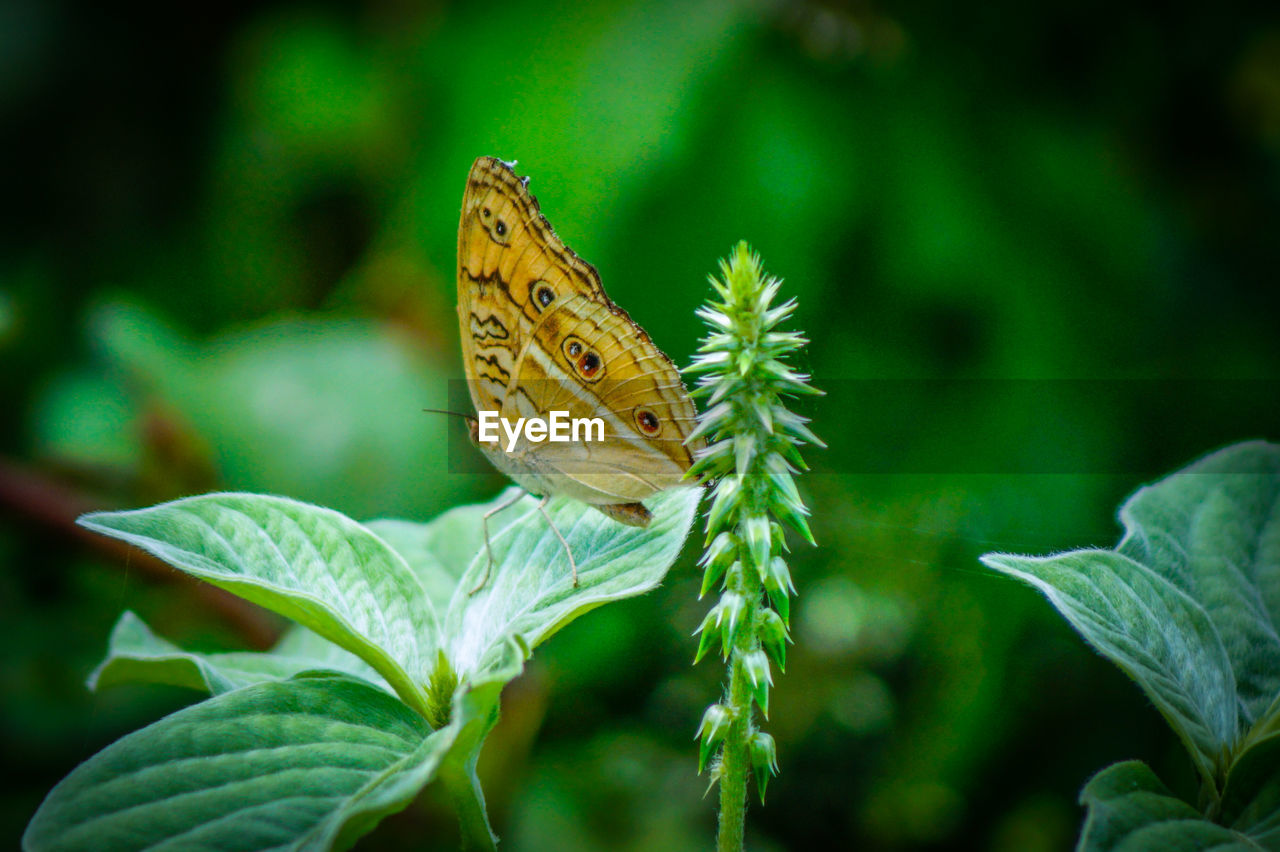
(647, 422)
(541, 295)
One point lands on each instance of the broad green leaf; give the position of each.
(1155, 633)
(439, 551)
(529, 591)
(136, 654)
(1213, 530)
(1131, 811)
(1251, 800)
(1189, 601)
(310, 763)
(310, 564)
(527, 596)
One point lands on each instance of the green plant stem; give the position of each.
(735, 766)
(468, 802)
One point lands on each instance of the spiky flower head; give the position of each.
(751, 458)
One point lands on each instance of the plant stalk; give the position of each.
(735, 757)
(750, 455)
(468, 803)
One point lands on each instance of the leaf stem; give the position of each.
(468, 802)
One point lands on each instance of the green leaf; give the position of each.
(310, 763)
(1131, 811)
(136, 654)
(1251, 800)
(1153, 632)
(439, 551)
(529, 592)
(313, 565)
(1213, 530)
(1188, 603)
(528, 596)
(278, 552)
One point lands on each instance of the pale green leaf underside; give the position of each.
(136, 654)
(310, 763)
(311, 564)
(1213, 530)
(529, 592)
(1188, 603)
(1155, 633)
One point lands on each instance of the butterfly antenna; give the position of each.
(446, 411)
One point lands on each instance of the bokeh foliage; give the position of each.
(228, 263)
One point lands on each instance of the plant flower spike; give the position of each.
(752, 452)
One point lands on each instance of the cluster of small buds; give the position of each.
(752, 453)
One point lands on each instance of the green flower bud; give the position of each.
(755, 664)
(441, 684)
(764, 759)
(744, 453)
(776, 539)
(777, 582)
(710, 635)
(756, 536)
(715, 724)
(774, 637)
(728, 495)
(730, 613)
(722, 552)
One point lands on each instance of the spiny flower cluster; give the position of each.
(751, 457)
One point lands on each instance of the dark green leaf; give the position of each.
(1188, 602)
(1155, 633)
(310, 763)
(1131, 811)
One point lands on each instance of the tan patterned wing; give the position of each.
(512, 268)
(589, 359)
(539, 336)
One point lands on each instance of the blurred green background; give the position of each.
(228, 259)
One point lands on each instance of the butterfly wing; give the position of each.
(589, 359)
(511, 268)
(539, 334)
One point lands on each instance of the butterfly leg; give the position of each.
(488, 550)
(573, 566)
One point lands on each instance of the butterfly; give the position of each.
(539, 335)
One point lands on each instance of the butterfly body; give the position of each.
(539, 335)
